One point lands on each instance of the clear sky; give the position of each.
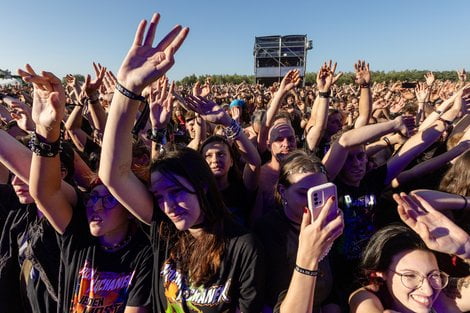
(66, 36)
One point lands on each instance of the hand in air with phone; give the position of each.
(321, 224)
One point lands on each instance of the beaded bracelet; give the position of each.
(306, 271)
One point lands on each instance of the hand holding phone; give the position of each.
(317, 197)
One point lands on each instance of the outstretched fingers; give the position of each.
(168, 40)
(152, 29)
(139, 34)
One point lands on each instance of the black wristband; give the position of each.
(325, 94)
(365, 85)
(387, 141)
(40, 147)
(157, 135)
(446, 122)
(129, 93)
(306, 271)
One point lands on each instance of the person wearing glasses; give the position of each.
(106, 260)
(401, 270)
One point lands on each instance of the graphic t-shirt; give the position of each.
(29, 263)
(95, 280)
(238, 283)
(359, 206)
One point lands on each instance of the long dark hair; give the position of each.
(199, 258)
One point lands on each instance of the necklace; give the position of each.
(118, 245)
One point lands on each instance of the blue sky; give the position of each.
(67, 36)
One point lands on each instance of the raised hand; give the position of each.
(317, 236)
(202, 91)
(48, 100)
(361, 68)
(290, 80)
(22, 114)
(462, 75)
(437, 231)
(208, 110)
(109, 81)
(144, 64)
(90, 87)
(326, 76)
(160, 102)
(429, 77)
(422, 92)
(71, 80)
(397, 106)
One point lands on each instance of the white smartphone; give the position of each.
(317, 197)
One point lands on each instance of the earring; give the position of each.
(284, 203)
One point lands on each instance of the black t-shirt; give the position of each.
(30, 259)
(359, 206)
(98, 281)
(8, 202)
(280, 239)
(238, 283)
(239, 201)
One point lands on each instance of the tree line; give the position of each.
(310, 78)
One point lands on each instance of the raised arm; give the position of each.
(430, 165)
(142, 65)
(336, 156)
(443, 200)
(45, 181)
(314, 241)
(160, 100)
(413, 147)
(365, 99)
(290, 80)
(317, 123)
(90, 89)
(212, 113)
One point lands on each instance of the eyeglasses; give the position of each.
(108, 201)
(413, 280)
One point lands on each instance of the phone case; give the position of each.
(318, 195)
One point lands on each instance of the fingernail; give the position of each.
(333, 198)
(305, 210)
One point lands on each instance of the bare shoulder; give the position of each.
(365, 300)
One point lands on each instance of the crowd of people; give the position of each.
(128, 193)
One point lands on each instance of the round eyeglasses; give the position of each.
(413, 280)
